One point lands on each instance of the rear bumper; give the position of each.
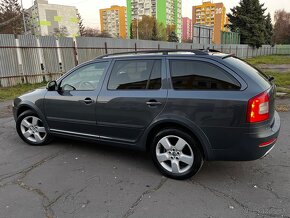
(248, 144)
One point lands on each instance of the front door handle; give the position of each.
(88, 101)
(153, 103)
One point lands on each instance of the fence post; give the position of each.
(237, 51)
(106, 48)
(59, 55)
(176, 46)
(41, 58)
(135, 46)
(158, 46)
(247, 51)
(75, 53)
(20, 62)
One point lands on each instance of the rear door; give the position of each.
(133, 94)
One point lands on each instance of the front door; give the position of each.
(131, 97)
(72, 108)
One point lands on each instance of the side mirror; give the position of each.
(51, 86)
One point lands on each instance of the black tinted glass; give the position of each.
(135, 74)
(245, 67)
(199, 75)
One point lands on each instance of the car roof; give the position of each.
(168, 52)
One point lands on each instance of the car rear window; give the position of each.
(245, 67)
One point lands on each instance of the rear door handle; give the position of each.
(88, 101)
(153, 103)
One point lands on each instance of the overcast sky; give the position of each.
(89, 9)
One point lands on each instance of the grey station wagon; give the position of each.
(183, 106)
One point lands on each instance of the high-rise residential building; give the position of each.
(186, 29)
(212, 15)
(114, 21)
(167, 12)
(46, 19)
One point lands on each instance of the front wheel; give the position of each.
(31, 129)
(176, 154)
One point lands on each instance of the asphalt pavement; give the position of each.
(79, 179)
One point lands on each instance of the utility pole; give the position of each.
(137, 26)
(23, 17)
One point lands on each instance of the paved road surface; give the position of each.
(78, 179)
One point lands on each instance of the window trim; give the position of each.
(73, 70)
(136, 59)
(211, 62)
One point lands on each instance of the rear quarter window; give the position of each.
(243, 66)
(200, 75)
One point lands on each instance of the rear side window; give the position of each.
(135, 74)
(200, 75)
(245, 67)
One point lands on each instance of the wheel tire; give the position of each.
(169, 157)
(31, 129)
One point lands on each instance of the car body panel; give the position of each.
(217, 118)
(123, 115)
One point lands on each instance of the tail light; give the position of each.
(258, 108)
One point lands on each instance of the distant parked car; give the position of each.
(184, 106)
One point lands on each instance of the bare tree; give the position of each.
(11, 21)
(81, 25)
(282, 27)
(60, 32)
(91, 32)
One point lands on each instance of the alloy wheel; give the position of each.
(174, 154)
(32, 129)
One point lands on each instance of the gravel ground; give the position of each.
(79, 179)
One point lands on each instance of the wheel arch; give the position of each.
(26, 105)
(172, 121)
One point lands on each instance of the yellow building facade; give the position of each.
(212, 15)
(114, 21)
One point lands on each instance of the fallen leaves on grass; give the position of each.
(282, 108)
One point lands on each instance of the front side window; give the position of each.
(135, 74)
(86, 78)
(199, 75)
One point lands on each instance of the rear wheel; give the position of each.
(176, 154)
(31, 129)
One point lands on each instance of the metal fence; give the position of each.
(30, 59)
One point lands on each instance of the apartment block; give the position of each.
(45, 18)
(211, 15)
(167, 12)
(186, 28)
(114, 21)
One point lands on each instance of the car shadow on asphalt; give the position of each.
(219, 170)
